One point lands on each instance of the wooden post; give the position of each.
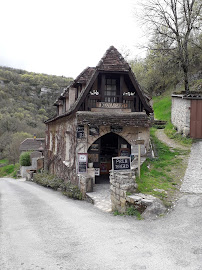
(139, 142)
(139, 159)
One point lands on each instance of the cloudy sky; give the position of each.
(63, 37)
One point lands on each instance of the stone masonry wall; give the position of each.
(180, 114)
(120, 184)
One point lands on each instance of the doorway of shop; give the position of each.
(103, 150)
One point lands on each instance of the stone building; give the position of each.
(33, 144)
(186, 114)
(99, 116)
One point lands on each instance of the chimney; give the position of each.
(72, 96)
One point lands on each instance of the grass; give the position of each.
(162, 107)
(161, 176)
(162, 111)
(9, 170)
(4, 161)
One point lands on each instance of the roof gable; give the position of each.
(84, 76)
(32, 144)
(112, 61)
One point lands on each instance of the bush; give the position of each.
(48, 180)
(25, 159)
(72, 191)
(52, 181)
(131, 211)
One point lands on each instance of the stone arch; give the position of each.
(104, 131)
(104, 148)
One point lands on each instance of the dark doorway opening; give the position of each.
(103, 150)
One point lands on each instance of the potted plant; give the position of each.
(90, 162)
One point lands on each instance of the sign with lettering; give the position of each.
(121, 163)
(82, 162)
(139, 141)
(110, 105)
(80, 132)
(124, 152)
(116, 129)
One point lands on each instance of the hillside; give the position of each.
(26, 100)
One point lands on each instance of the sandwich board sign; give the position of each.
(121, 163)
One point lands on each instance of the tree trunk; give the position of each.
(186, 82)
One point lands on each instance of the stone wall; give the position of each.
(180, 114)
(63, 146)
(120, 184)
(60, 154)
(123, 187)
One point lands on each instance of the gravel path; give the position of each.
(42, 229)
(193, 177)
(171, 143)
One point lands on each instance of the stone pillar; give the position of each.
(85, 184)
(121, 183)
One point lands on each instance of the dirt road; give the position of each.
(42, 229)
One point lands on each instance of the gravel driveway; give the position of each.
(193, 177)
(42, 229)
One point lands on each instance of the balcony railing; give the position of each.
(95, 100)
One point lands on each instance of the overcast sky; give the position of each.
(63, 37)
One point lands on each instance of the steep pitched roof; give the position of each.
(32, 144)
(112, 61)
(84, 76)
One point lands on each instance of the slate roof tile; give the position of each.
(30, 144)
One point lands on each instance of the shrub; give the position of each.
(131, 211)
(25, 159)
(52, 181)
(72, 191)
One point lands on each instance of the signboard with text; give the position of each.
(82, 162)
(110, 105)
(121, 163)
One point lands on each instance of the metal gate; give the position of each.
(196, 119)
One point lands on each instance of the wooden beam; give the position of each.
(103, 79)
(121, 88)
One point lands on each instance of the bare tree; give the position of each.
(174, 22)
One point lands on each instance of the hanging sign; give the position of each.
(121, 163)
(82, 162)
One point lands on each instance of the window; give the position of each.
(110, 90)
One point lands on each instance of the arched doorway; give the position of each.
(103, 150)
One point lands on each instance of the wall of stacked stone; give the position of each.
(180, 114)
(121, 183)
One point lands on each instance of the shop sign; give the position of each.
(125, 152)
(139, 141)
(80, 132)
(94, 147)
(121, 163)
(82, 162)
(110, 105)
(116, 129)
